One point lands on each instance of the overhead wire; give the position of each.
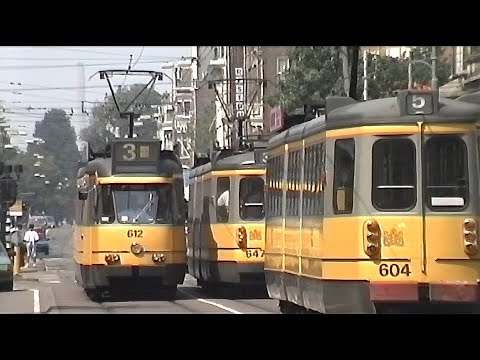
(30, 67)
(61, 48)
(33, 116)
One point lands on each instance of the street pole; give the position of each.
(174, 107)
(434, 68)
(365, 79)
(410, 80)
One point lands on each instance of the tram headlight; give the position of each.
(136, 248)
(372, 237)
(112, 258)
(242, 236)
(158, 257)
(470, 238)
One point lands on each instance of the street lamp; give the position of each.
(171, 66)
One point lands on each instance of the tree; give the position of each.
(205, 134)
(317, 72)
(388, 75)
(106, 117)
(53, 194)
(59, 142)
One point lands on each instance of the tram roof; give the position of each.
(345, 112)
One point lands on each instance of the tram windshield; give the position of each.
(139, 203)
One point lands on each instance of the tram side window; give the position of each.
(251, 198)
(296, 183)
(271, 186)
(223, 199)
(106, 212)
(393, 174)
(276, 192)
(319, 175)
(289, 185)
(315, 167)
(344, 169)
(279, 187)
(306, 180)
(447, 173)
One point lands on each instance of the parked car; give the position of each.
(6, 270)
(50, 221)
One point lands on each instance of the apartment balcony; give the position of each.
(166, 126)
(220, 62)
(184, 117)
(257, 112)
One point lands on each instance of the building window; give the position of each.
(186, 108)
(179, 107)
(283, 63)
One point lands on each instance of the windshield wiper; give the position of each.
(144, 210)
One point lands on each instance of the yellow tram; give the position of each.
(226, 224)
(129, 221)
(373, 207)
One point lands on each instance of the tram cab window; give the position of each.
(393, 174)
(447, 173)
(344, 171)
(223, 199)
(143, 204)
(251, 198)
(106, 211)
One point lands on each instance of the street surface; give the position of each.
(51, 288)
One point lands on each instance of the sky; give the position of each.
(51, 77)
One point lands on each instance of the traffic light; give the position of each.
(8, 191)
(8, 185)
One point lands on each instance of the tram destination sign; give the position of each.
(418, 102)
(135, 156)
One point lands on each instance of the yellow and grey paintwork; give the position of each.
(213, 250)
(320, 263)
(163, 258)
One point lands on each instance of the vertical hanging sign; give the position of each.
(239, 93)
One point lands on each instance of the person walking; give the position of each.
(31, 237)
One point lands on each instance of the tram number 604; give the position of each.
(254, 253)
(394, 270)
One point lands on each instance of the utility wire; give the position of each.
(28, 67)
(61, 48)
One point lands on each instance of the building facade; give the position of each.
(235, 82)
(465, 76)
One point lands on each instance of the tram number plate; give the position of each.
(135, 233)
(255, 253)
(394, 270)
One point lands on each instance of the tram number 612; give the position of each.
(394, 270)
(135, 233)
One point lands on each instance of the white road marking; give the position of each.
(36, 300)
(211, 303)
(52, 282)
(219, 306)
